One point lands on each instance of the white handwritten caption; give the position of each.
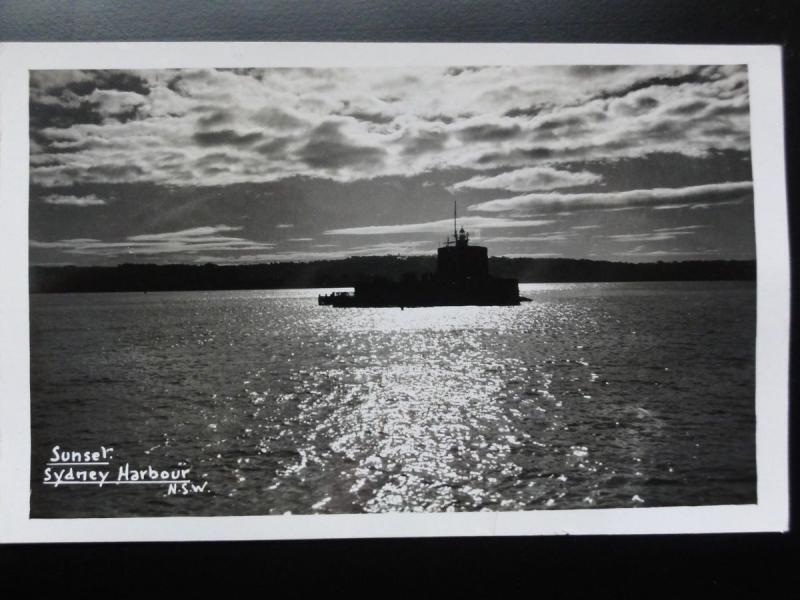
(93, 467)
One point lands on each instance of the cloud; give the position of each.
(358, 124)
(710, 194)
(707, 205)
(330, 149)
(677, 252)
(173, 243)
(276, 146)
(648, 237)
(371, 117)
(64, 98)
(226, 137)
(441, 227)
(672, 207)
(556, 236)
(691, 107)
(489, 132)
(658, 235)
(549, 125)
(680, 228)
(278, 118)
(525, 111)
(529, 179)
(121, 105)
(184, 234)
(694, 75)
(62, 244)
(424, 141)
(333, 155)
(217, 117)
(83, 201)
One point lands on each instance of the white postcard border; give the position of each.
(771, 513)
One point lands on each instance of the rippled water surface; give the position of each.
(591, 395)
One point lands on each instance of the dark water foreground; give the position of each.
(592, 395)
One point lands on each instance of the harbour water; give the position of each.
(590, 396)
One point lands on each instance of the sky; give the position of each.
(621, 163)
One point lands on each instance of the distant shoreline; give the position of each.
(140, 277)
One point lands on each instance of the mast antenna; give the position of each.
(455, 227)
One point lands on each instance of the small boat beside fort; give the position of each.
(462, 278)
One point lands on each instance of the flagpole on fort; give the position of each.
(455, 226)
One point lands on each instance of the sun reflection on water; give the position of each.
(422, 410)
(589, 396)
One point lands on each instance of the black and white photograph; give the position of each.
(403, 288)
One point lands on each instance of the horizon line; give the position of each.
(396, 256)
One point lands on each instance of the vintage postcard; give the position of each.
(372, 290)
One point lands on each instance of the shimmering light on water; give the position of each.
(592, 395)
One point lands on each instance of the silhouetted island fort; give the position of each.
(461, 278)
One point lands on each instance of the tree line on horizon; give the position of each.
(134, 277)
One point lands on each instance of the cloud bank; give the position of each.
(699, 195)
(186, 241)
(82, 201)
(221, 127)
(529, 179)
(470, 223)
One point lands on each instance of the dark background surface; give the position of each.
(629, 566)
(623, 21)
